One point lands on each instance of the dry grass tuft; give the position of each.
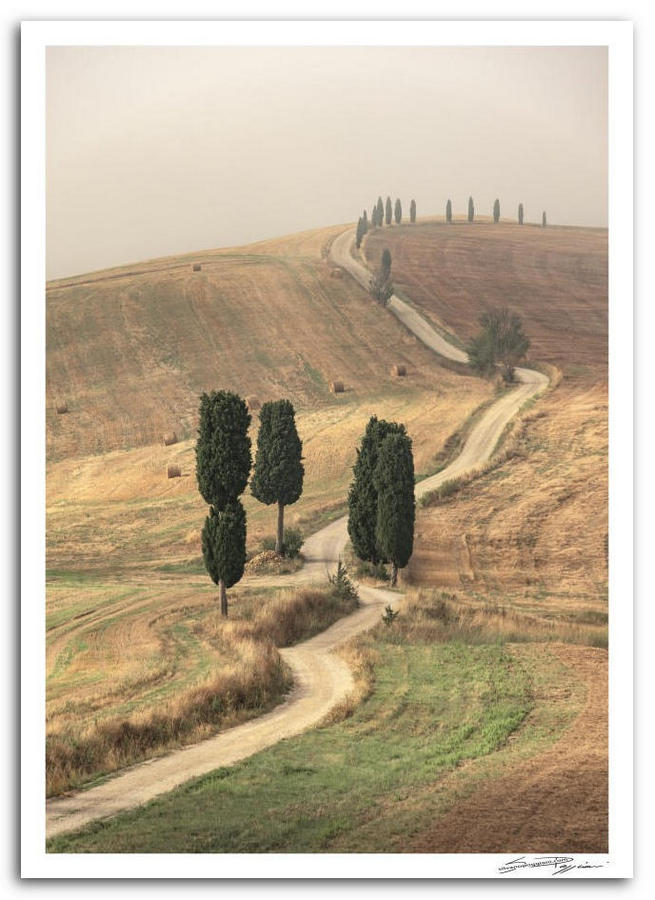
(62, 408)
(169, 438)
(361, 660)
(336, 387)
(197, 267)
(174, 472)
(429, 616)
(399, 370)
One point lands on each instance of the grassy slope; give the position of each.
(374, 781)
(532, 532)
(128, 600)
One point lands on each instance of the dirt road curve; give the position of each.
(322, 679)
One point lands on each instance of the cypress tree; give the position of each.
(359, 233)
(224, 547)
(385, 265)
(279, 472)
(223, 461)
(412, 211)
(363, 495)
(380, 213)
(387, 211)
(471, 212)
(396, 507)
(449, 212)
(496, 211)
(543, 219)
(223, 457)
(364, 222)
(398, 212)
(520, 214)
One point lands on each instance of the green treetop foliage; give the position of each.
(412, 211)
(224, 546)
(380, 212)
(388, 211)
(223, 457)
(363, 495)
(449, 212)
(501, 341)
(396, 506)
(359, 234)
(496, 211)
(471, 212)
(520, 214)
(279, 472)
(364, 222)
(398, 212)
(543, 219)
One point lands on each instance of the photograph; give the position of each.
(326, 439)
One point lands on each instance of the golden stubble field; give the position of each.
(128, 601)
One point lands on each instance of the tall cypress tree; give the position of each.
(385, 264)
(412, 211)
(471, 212)
(398, 212)
(363, 495)
(543, 219)
(387, 211)
(520, 214)
(364, 222)
(359, 234)
(380, 213)
(279, 472)
(224, 547)
(396, 507)
(223, 462)
(496, 211)
(449, 212)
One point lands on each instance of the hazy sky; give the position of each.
(154, 151)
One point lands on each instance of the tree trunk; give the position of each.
(394, 574)
(222, 593)
(279, 538)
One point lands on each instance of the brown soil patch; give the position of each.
(553, 803)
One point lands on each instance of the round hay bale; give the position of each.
(62, 408)
(336, 387)
(252, 403)
(399, 371)
(197, 267)
(336, 273)
(174, 471)
(169, 438)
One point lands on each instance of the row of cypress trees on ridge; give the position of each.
(381, 214)
(223, 463)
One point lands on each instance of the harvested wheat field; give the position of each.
(133, 348)
(556, 278)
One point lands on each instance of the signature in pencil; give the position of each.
(559, 864)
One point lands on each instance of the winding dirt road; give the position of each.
(321, 678)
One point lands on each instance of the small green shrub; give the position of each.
(342, 586)
(293, 541)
